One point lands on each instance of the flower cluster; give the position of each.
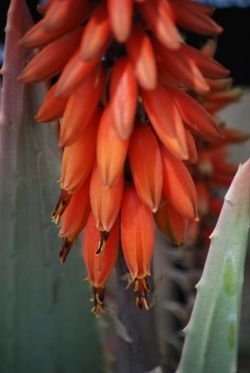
(126, 98)
(209, 168)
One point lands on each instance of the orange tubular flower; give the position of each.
(111, 150)
(119, 64)
(120, 14)
(78, 158)
(74, 219)
(137, 236)
(166, 120)
(52, 107)
(96, 35)
(178, 186)
(171, 224)
(80, 108)
(123, 92)
(105, 202)
(52, 58)
(146, 166)
(141, 53)
(100, 266)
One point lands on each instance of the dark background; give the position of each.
(233, 45)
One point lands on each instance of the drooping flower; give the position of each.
(99, 266)
(124, 76)
(137, 237)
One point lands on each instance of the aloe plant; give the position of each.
(211, 343)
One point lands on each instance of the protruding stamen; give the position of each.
(65, 249)
(98, 299)
(102, 243)
(141, 289)
(61, 205)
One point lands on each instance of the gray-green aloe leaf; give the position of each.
(45, 323)
(211, 343)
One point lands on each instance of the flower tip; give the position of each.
(102, 243)
(197, 219)
(219, 29)
(65, 249)
(21, 78)
(141, 289)
(154, 209)
(98, 299)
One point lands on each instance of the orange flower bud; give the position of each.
(37, 36)
(166, 120)
(123, 95)
(160, 19)
(97, 34)
(52, 107)
(178, 186)
(120, 14)
(207, 65)
(74, 73)
(141, 54)
(192, 151)
(78, 158)
(146, 166)
(195, 116)
(99, 267)
(194, 17)
(182, 68)
(137, 237)
(105, 201)
(80, 108)
(51, 59)
(111, 150)
(65, 14)
(171, 224)
(62, 203)
(74, 218)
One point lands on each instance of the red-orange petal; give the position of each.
(194, 19)
(123, 95)
(178, 186)
(97, 34)
(111, 150)
(74, 73)
(171, 224)
(137, 234)
(105, 201)
(166, 120)
(78, 158)
(99, 267)
(195, 116)
(51, 59)
(159, 17)
(207, 65)
(146, 166)
(65, 14)
(76, 214)
(37, 37)
(182, 68)
(192, 150)
(52, 107)
(120, 15)
(80, 107)
(141, 54)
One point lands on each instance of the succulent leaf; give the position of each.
(212, 333)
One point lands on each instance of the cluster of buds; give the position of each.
(209, 167)
(125, 94)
